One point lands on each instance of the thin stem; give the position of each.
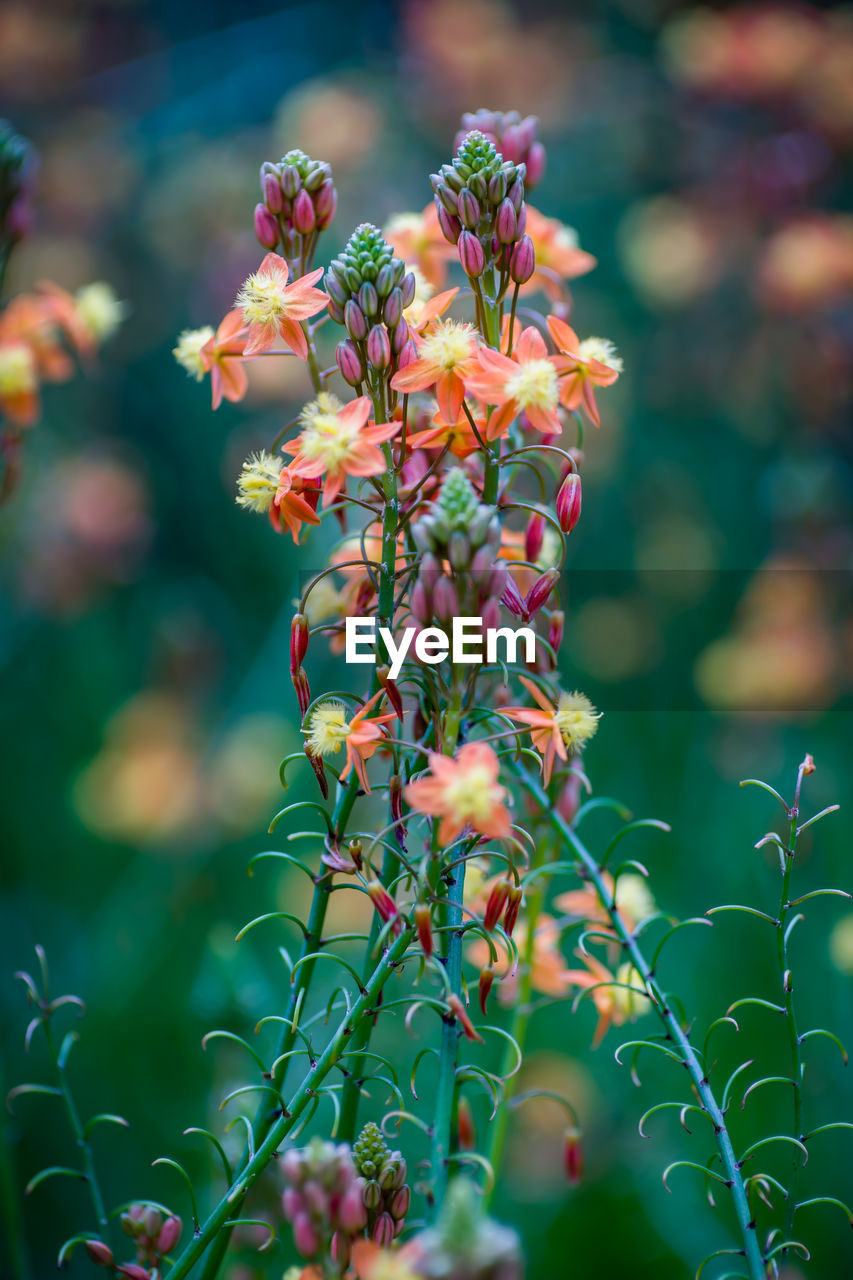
(78, 1131)
(797, 1064)
(364, 1007)
(673, 1028)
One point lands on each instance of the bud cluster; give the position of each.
(513, 137)
(459, 572)
(370, 289)
(153, 1236)
(298, 202)
(323, 1199)
(386, 1195)
(480, 203)
(17, 172)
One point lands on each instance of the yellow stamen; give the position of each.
(329, 729)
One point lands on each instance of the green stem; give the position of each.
(672, 1027)
(790, 1013)
(228, 1206)
(78, 1131)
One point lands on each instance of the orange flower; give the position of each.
(222, 357)
(19, 386)
(329, 730)
(463, 791)
(525, 381)
(556, 729)
(634, 901)
(558, 255)
(337, 442)
(417, 239)
(33, 320)
(371, 1262)
(291, 508)
(583, 366)
(619, 997)
(447, 355)
(458, 435)
(273, 308)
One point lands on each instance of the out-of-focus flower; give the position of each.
(841, 944)
(100, 309)
(549, 974)
(417, 238)
(189, 347)
(634, 901)
(337, 442)
(669, 250)
(18, 383)
(371, 1262)
(524, 382)
(462, 790)
(583, 366)
(559, 256)
(808, 264)
(329, 730)
(747, 51)
(555, 730)
(272, 308)
(619, 997)
(332, 119)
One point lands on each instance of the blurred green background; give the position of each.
(144, 626)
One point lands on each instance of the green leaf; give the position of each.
(49, 1090)
(55, 1171)
(104, 1118)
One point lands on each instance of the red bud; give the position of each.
(303, 213)
(487, 977)
(513, 904)
(534, 537)
(423, 924)
(100, 1253)
(540, 591)
(465, 1125)
(460, 1013)
(495, 905)
(573, 1161)
(298, 641)
(569, 502)
(385, 905)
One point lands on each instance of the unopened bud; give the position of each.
(400, 1203)
(506, 222)
(423, 924)
(555, 629)
(495, 905)
(350, 363)
(573, 1161)
(513, 904)
(471, 254)
(465, 1125)
(534, 537)
(272, 192)
(535, 165)
(540, 591)
(469, 208)
(325, 204)
(304, 217)
(266, 227)
(512, 597)
(408, 353)
(100, 1253)
(568, 504)
(305, 1236)
(385, 905)
(487, 977)
(170, 1235)
(355, 321)
(460, 1013)
(379, 347)
(341, 1248)
(451, 227)
(371, 1194)
(523, 261)
(445, 601)
(298, 641)
(133, 1271)
(383, 1230)
(352, 1214)
(302, 689)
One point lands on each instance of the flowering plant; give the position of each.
(446, 794)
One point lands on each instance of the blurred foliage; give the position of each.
(144, 624)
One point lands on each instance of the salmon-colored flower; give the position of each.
(556, 729)
(463, 791)
(458, 435)
(371, 1262)
(417, 238)
(32, 319)
(337, 442)
(583, 366)
(559, 257)
(273, 308)
(634, 901)
(264, 485)
(19, 386)
(447, 355)
(525, 382)
(222, 357)
(424, 307)
(619, 997)
(330, 729)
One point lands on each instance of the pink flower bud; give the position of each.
(350, 363)
(341, 1248)
(540, 591)
(469, 208)
(555, 629)
(305, 1236)
(451, 227)
(408, 353)
(298, 641)
(292, 1203)
(304, 217)
(291, 1166)
(316, 1200)
(272, 192)
(534, 536)
(506, 223)
(355, 321)
(419, 603)
(399, 335)
(379, 347)
(100, 1253)
(352, 1214)
(460, 1013)
(134, 1272)
(521, 221)
(568, 502)
(471, 254)
(383, 1230)
(170, 1235)
(266, 227)
(512, 598)
(535, 165)
(490, 615)
(325, 203)
(523, 261)
(445, 601)
(400, 1203)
